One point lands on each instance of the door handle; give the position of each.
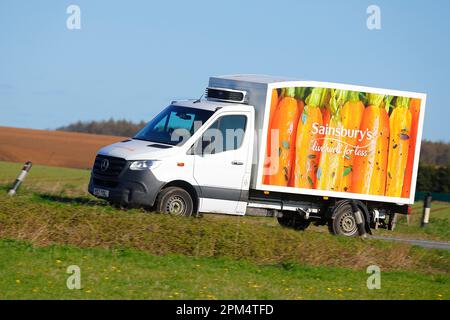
(237, 163)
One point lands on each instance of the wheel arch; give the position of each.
(332, 210)
(187, 187)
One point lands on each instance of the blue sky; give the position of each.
(131, 58)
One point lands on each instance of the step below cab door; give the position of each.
(222, 163)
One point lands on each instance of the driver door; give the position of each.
(222, 164)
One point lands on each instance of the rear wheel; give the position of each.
(343, 221)
(293, 221)
(175, 201)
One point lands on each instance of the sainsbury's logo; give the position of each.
(341, 132)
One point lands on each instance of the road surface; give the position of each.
(423, 243)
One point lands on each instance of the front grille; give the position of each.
(108, 166)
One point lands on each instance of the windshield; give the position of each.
(174, 125)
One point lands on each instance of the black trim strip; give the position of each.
(222, 193)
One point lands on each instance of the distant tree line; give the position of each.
(435, 153)
(123, 128)
(433, 174)
(434, 167)
(431, 178)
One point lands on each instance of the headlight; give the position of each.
(143, 164)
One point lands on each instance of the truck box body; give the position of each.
(342, 155)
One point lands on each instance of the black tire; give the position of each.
(343, 222)
(175, 201)
(293, 221)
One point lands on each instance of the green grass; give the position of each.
(54, 218)
(40, 273)
(437, 229)
(47, 179)
(72, 183)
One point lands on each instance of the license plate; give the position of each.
(101, 193)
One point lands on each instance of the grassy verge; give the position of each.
(40, 273)
(47, 179)
(437, 229)
(134, 254)
(50, 219)
(72, 184)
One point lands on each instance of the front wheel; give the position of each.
(175, 201)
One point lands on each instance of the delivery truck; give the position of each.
(302, 151)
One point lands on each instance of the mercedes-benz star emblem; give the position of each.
(104, 165)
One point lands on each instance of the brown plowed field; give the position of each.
(53, 148)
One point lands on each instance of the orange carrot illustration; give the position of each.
(414, 108)
(285, 121)
(273, 108)
(351, 116)
(371, 154)
(400, 132)
(306, 158)
(331, 159)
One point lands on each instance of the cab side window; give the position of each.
(225, 134)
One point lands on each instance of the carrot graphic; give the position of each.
(300, 93)
(400, 132)
(371, 154)
(351, 116)
(331, 159)
(414, 108)
(307, 159)
(285, 121)
(273, 108)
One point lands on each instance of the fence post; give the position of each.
(25, 169)
(426, 210)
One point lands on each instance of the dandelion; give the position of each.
(58, 261)
(349, 289)
(329, 289)
(18, 281)
(339, 289)
(35, 290)
(88, 291)
(106, 278)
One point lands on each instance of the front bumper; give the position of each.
(130, 188)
